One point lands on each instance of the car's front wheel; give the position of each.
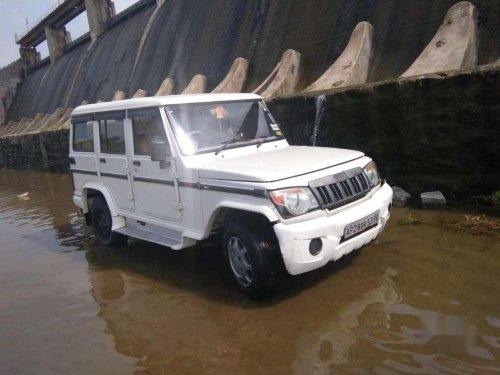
(250, 254)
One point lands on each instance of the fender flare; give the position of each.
(264, 210)
(103, 191)
(118, 221)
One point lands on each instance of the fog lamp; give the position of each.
(315, 246)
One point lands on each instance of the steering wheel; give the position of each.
(198, 136)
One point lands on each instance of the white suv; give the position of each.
(175, 170)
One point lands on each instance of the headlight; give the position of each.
(372, 173)
(294, 201)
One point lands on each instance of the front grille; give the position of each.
(341, 188)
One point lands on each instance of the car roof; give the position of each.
(156, 101)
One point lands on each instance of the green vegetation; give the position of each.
(492, 200)
(409, 219)
(495, 198)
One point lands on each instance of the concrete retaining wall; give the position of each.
(38, 151)
(437, 133)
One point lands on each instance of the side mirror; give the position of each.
(158, 150)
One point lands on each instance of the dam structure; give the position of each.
(384, 65)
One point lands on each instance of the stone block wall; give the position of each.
(433, 133)
(36, 151)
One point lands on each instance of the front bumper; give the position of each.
(294, 238)
(78, 201)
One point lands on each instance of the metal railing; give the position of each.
(44, 15)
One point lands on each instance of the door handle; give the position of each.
(136, 163)
(102, 160)
(165, 164)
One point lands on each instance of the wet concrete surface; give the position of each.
(422, 299)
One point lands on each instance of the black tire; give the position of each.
(261, 250)
(101, 223)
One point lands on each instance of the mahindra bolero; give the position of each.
(179, 169)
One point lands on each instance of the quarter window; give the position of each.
(112, 137)
(145, 128)
(83, 137)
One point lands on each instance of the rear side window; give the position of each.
(83, 137)
(146, 127)
(112, 137)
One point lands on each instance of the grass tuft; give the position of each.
(492, 200)
(409, 219)
(479, 225)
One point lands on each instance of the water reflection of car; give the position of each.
(178, 169)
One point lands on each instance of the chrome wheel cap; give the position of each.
(240, 262)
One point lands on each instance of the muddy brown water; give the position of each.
(422, 299)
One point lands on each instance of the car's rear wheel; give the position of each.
(250, 255)
(102, 223)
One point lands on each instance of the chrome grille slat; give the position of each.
(352, 180)
(322, 195)
(349, 187)
(360, 188)
(344, 188)
(341, 197)
(326, 194)
(334, 192)
(331, 193)
(339, 189)
(359, 178)
(365, 181)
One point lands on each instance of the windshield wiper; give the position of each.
(265, 139)
(259, 142)
(225, 144)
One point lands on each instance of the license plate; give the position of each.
(361, 225)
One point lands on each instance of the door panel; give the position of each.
(82, 156)
(155, 193)
(154, 189)
(115, 176)
(113, 163)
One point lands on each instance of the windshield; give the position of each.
(207, 127)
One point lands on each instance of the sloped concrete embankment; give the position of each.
(434, 133)
(10, 76)
(180, 41)
(454, 46)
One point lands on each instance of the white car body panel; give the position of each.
(277, 165)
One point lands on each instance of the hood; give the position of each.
(277, 165)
